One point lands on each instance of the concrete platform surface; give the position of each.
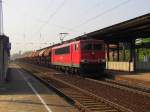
(139, 78)
(24, 93)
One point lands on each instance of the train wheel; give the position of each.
(81, 73)
(73, 70)
(65, 70)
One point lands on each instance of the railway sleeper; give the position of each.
(88, 100)
(103, 109)
(100, 108)
(72, 92)
(94, 104)
(97, 106)
(74, 95)
(77, 97)
(106, 111)
(89, 104)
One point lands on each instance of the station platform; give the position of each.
(136, 78)
(24, 93)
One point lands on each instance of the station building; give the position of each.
(123, 53)
(4, 56)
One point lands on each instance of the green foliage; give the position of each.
(143, 52)
(146, 40)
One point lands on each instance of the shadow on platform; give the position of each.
(16, 84)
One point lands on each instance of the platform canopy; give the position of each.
(138, 27)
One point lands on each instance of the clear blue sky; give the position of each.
(32, 24)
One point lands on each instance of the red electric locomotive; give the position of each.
(82, 55)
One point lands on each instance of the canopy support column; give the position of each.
(108, 58)
(118, 51)
(132, 53)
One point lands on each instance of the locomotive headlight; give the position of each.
(84, 61)
(101, 60)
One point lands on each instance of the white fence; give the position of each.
(120, 66)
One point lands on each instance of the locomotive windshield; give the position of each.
(87, 47)
(97, 47)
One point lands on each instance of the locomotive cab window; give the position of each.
(97, 46)
(63, 50)
(87, 47)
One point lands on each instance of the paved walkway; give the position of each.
(140, 78)
(24, 93)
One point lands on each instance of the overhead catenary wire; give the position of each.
(65, 27)
(100, 14)
(51, 16)
(75, 28)
(38, 20)
(88, 10)
(43, 22)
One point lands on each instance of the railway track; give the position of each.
(119, 84)
(89, 91)
(83, 100)
(125, 84)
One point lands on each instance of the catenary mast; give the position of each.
(1, 18)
